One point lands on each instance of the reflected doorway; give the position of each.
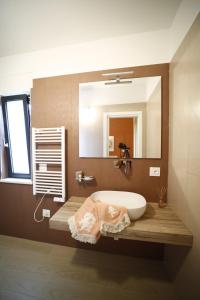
(121, 130)
(122, 127)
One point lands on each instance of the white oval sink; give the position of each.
(135, 203)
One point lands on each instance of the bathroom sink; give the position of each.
(135, 203)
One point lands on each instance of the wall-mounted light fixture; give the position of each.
(118, 79)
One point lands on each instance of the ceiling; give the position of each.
(31, 25)
(136, 91)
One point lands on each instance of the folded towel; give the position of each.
(96, 217)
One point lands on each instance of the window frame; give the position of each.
(26, 101)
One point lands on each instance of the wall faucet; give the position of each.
(125, 161)
(125, 164)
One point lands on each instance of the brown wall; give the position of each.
(55, 103)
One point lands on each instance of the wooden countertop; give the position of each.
(159, 225)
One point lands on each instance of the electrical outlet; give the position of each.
(46, 213)
(154, 171)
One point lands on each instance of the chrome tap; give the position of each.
(124, 164)
(125, 154)
(124, 161)
(127, 166)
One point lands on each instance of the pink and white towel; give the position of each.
(96, 217)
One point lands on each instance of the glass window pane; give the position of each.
(17, 137)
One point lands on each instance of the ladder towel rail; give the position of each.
(48, 151)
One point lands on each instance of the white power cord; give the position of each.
(34, 215)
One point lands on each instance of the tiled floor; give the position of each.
(33, 270)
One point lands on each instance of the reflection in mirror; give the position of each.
(120, 118)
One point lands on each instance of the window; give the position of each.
(16, 119)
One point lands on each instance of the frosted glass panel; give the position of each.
(17, 137)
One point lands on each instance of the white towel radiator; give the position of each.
(48, 156)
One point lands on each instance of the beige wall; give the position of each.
(184, 160)
(153, 124)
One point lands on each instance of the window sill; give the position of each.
(16, 181)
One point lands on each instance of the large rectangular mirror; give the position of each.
(119, 114)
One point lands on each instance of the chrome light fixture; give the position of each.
(117, 80)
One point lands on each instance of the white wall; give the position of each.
(153, 124)
(186, 14)
(18, 71)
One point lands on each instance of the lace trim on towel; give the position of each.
(114, 228)
(86, 238)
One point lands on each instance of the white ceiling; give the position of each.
(29, 25)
